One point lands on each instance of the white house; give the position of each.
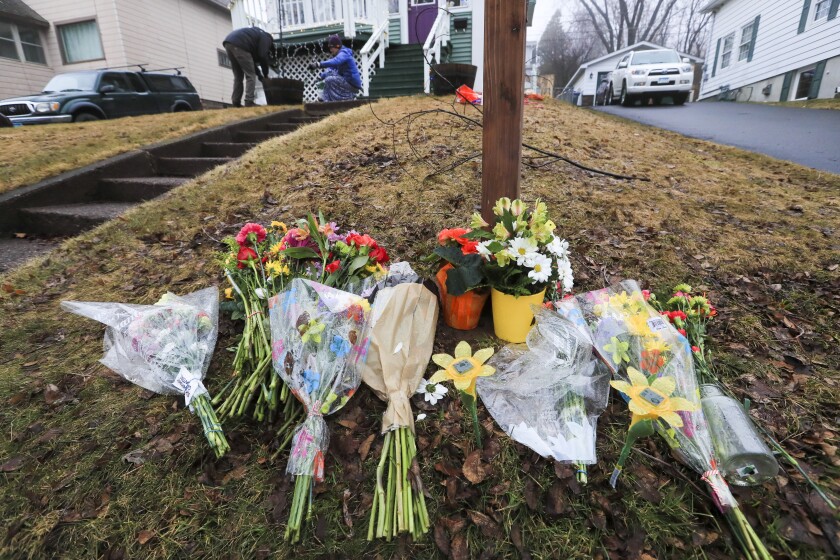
(775, 50)
(587, 77)
(394, 40)
(40, 38)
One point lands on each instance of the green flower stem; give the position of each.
(302, 495)
(581, 474)
(469, 402)
(210, 423)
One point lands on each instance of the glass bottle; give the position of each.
(743, 458)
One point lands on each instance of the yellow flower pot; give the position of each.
(512, 316)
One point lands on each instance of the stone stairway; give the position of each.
(36, 217)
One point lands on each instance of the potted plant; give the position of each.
(461, 283)
(522, 260)
(448, 77)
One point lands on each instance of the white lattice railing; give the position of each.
(437, 39)
(299, 15)
(370, 55)
(295, 67)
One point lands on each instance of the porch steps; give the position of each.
(402, 74)
(85, 198)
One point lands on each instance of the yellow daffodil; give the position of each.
(652, 400)
(637, 325)
(463, 368)
(228, 293)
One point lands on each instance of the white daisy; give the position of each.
(564, 271)
(432, 392)
(558, 247)
(523, 248)
(484, 251)
(540, 269)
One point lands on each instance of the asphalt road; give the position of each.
(809, 137)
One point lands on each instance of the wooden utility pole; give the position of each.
(504, 83)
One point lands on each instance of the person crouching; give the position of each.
(342, 81)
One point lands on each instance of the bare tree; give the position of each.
(562, 51)
(692, 27)
(619, 23)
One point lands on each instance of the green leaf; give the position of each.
(299, 253)
(455, 257)
(478, 234)
(358, 263)
(463, 279)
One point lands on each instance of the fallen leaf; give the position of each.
(52, 394)
(12, 464)
(516, 539)
(144, 536)
(489, 528)
(454, 524)
(474, 470)
(441, 538)
(531, 492)
(349, 424)
(459, 549)
(236, 474)
(364, 448)
(20, 236)
(555, 500)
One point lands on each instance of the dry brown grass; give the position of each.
(33, 153)
(736, 223)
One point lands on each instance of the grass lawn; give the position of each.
(758, 235)
(33, 153)
(812, 104)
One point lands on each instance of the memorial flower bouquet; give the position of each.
(165, 348)
(318, 345)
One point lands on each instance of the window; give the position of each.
(136, 83)
(224, 60)
(7, 42)
(821, 9)
(806, 78)
(80, 42)
(726, 57)
(393, 6)
(746, 41)
(30, 41)
(119, 82)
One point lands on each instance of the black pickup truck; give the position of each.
(102, 94)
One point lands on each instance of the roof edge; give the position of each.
(712, 6)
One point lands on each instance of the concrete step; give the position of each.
(304, 120)
(255, 136)
(283, 127)
(189, 166)
(323, 109)
(136, 189)
(15, 251)
(70, 219)
(225, 149)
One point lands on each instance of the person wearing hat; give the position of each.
(342, 81)
(249, 50)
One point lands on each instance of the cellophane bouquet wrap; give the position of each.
(653, 369)
(165, 347)
(402, 333)
(548, 393)
(318, 343)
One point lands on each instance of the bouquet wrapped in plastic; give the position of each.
(548, 395)
(402, 333)
(165, 348)
(318, 342)
(653, 369)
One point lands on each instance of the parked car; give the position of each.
(102, 94)
(651, 74)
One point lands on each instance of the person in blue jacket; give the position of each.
(342, 81)
(249, 50)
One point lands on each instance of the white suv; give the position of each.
(654, 73)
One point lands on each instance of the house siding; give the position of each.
(779, 48)
(170, 33)
(18, 77)
(461, 41)
(394, 29)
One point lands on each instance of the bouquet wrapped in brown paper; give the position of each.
(402, 331)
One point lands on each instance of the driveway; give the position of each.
(809, 137)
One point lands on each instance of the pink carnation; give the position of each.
(256, 229)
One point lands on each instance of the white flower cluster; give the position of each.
(526, 252)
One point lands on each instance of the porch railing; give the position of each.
(301, 15)
(437, 39)
(373, 50)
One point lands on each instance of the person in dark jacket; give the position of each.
(249, 50)
(342, 81)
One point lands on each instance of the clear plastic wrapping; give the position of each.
(318, 343)
(548, 393)
(630, 334)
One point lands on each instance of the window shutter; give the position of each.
(815, 85)
(717, 51)
(754, 35)
(806, 7)
(832, 10)
(786, 86)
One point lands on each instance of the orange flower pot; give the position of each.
(460, 312)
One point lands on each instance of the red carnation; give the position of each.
(245, 254)
(380, 255)
(333, 266)
(646, 294)
(695, 349)
(256, 229)
(682, 332)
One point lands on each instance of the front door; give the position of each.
(421, 16)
